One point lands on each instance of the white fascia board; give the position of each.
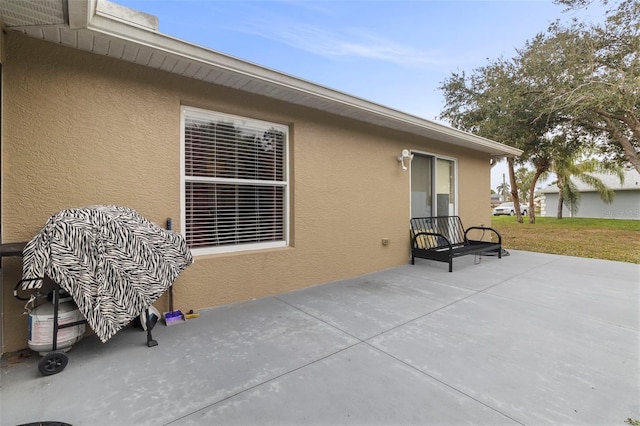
(106, 24)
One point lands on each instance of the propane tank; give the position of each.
(41, 326)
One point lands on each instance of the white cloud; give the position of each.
(336, 43)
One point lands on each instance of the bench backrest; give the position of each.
(449, 226)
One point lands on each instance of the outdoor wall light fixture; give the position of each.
(405, 154)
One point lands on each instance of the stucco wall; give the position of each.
(82, 129)
(2, 42)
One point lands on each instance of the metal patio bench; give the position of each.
(443, 238)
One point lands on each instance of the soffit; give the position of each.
(93, 28)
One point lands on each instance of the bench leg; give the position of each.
(500, 253)
(450, 265)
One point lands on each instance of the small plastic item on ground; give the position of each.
(190, 315)
(173, 317)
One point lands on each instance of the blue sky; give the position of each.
(395, 53)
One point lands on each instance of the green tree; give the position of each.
(589, 74)
(494, 101)
(581, 80)
(524, 177)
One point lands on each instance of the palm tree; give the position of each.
(524, 177)
(503, 189)
(565, 168)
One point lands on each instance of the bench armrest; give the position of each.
(414, 240)
(483, 228)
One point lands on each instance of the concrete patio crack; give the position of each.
(443, 383)
(250, 388)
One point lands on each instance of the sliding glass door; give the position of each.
(433, 186)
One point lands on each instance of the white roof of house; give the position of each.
(631, 182)
(106, 28)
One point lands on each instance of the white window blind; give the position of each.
(235, 182)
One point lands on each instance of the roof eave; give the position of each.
(112, 21)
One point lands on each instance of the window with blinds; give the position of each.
(235, 178)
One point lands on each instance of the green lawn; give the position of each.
(611, 239)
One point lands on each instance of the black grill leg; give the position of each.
(150, 342)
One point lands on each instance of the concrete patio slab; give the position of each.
(342, 390)
(534, 364)
(608, 292)
(369, 305)
(465, 269)
(527, 339)
(225, 351)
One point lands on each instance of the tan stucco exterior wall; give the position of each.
(2, 37)
(82, 129)
(2, 42)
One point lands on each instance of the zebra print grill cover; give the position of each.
(112, 261)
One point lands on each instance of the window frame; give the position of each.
(238, 121)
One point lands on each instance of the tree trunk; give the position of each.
(532, 204)
(560, 197)
(560, 203)
(514, 190)
(629, 150)
(630, 121)
(532, 192)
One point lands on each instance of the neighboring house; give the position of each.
(495, 200)
(626, 204)
(277, 183)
